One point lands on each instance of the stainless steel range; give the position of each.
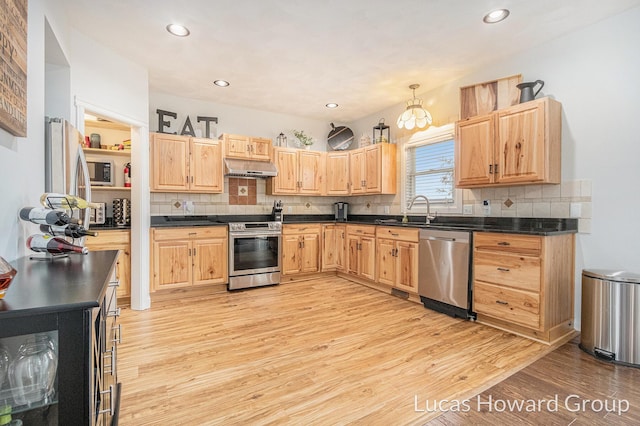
(254, 254)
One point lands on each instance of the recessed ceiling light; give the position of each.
(332, 105)
(178, 30)
(221, 83)
(495, 16)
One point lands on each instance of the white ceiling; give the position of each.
(294, 56)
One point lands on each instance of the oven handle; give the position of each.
(254, 234)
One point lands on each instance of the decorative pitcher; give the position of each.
(526, 90)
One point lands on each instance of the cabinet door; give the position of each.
(206, 166)
(337, 174)
(372, 169)
(124, 272)
(236, 146)
(172, 264)
(310, 254)
(341, 247)
(291, 246)
(353, 254)
(329, 234)
(209, 261)
(386, 262)
(368, 258)
(474, 163)
(356, 171)
(310, 168)
(287, 180)
(520, 144)
(407, 266)
(260, 149)
(169, 162)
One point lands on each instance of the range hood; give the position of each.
(248, 168)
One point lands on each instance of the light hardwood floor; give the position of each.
(325, 351)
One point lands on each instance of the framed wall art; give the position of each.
(13, 66)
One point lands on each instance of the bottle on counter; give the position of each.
(71, 230)
(65, 201)
(53, 245)
(43, 216)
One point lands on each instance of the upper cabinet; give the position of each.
(247, 147)
(186, 164)
(299, 172)
(368, 166)
(515, 145)
(337, 174)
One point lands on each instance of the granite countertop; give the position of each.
(64, 284)
(531, 226)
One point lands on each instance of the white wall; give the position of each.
(594, 73)
(237, 120)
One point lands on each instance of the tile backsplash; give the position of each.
(568, 199)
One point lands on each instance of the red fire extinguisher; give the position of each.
(127, 175)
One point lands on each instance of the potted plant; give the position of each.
(305, 140)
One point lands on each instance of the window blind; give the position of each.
(430, 172)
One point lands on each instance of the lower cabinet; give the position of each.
(189, 256)
(397, 257)
(300, 248)
(525, 283)
(334, 247)
(116, 240)
(361, 251)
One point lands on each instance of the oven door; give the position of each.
(254, 253)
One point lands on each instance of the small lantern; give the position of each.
(281, 140)
(378, 133)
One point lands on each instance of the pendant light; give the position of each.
(415, 115)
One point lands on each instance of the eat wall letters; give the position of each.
(187, 127)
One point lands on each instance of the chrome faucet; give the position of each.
(413, 200)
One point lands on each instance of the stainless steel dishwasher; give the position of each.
(444, 271)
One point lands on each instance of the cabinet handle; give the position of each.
(114, 313)
(504, 243)
(501, 302)
(495, 168)
(111, 408)
(395, 235)
(112, 366)
(191, 179)
(490, 169)
(302, 246)
(189, 252)
(194, 252)
(193, 233)
(359, 231)
(186, 179)
(115, 283)
(503, 269)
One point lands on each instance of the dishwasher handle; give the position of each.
(440, 239)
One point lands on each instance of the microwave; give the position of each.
(101, 173)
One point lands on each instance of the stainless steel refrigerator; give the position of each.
(65, 168)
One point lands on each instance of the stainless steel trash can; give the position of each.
(611, 315)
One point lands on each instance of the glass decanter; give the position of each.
(32, 373)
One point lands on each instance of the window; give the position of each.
(429, 164)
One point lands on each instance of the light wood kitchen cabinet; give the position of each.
(300, 248)
(299, 172)
(361, 251)
(189, 256)
(186, 164)
(117, 239)
(397, 257)
(520, 144)
(337, 173)
(247, 147)
(525, 283)
(333, 247)
(372, 169)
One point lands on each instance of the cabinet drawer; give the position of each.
(397, 233)
(507, 269)
(182, 233)
(368, 230)
(524, 244)
(301, 228)
(517, 306)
